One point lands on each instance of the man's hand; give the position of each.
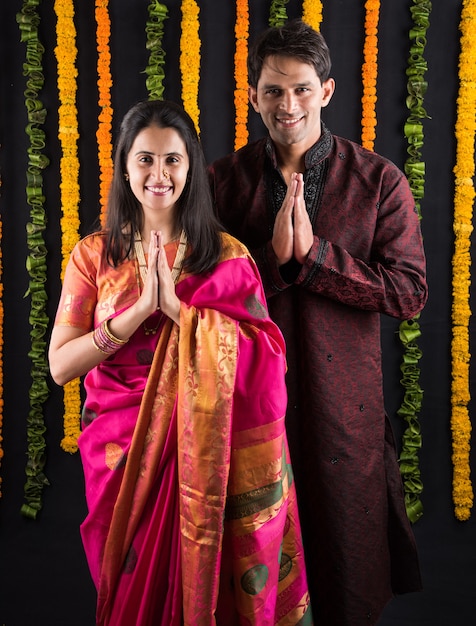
(303, 235)
(283, 232)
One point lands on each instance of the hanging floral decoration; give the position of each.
(409, 330)
(190, 59)
(68, 134)
(277, 13)
(1, 350)
(154, 30)
(312, 13)
(241, 73)
(369, 73)
(465, 131)
(28, 21)
(104, 131)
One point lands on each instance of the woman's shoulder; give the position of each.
(232, 248)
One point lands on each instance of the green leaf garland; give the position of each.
(409, 331)
(277, 13)
(28, 20)
(155, 31)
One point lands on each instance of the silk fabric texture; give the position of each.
(192, 514)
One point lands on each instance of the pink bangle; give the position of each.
(105, 341)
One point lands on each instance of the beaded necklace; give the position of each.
(142, 268)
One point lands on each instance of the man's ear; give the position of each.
(328, 88)
(253, 97)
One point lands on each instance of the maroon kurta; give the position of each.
(367, 258)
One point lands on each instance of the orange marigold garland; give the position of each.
(312, 13)
(104, 131)
(68, 135)
(369, 73)
(28, 20)
(241, 73)
(190, 59)
(465, 131)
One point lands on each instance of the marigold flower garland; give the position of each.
(68, 135)
(1, 350)
(154, 30)
(465, 131)
(242, 25)
(409, 331)
(190, 59)
(28, 20)
(104, 131)
(312, 13)
(369, 73)
(277, 13)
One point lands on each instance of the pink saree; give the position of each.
(192, 510)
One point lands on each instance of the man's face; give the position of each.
(289, 97)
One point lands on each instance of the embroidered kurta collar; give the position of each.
(316, 153)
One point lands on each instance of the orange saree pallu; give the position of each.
(192, 508)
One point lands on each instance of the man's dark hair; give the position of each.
(294, 39)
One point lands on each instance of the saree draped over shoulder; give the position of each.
(192, 514)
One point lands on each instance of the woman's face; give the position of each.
(157, 165)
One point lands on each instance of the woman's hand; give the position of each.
(168, 300)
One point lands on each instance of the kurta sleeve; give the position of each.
(385, 272)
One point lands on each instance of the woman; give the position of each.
(192, 517)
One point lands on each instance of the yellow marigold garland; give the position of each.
(312, 13)
(104, 131)
(190, 59)
(241, 73)
(369, 73)
(68, 135)
(465, 130)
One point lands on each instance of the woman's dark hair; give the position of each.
(194, 209)
(294, 39)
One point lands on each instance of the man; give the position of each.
(335, 234)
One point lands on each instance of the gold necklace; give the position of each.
(142, 266)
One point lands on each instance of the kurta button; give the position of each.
(361, 407)
(329, 357)
(334, 460)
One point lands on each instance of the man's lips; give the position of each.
(288, 121)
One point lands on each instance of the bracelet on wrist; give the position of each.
(104, 341)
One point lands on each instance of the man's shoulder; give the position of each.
(249, 153)
(347, 148)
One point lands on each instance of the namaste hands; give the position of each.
(292, 233)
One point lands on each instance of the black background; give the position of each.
(43, 575)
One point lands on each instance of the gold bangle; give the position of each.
(112, 337)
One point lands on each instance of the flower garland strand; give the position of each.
(465, 131)
(242, 25)
(190, 59)
(68, 135)
(28, 20)
(409, 330)
(277, 13)
(369, 73)
(1, 349)
(312, 13)
(154, 30)
(104, 131)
